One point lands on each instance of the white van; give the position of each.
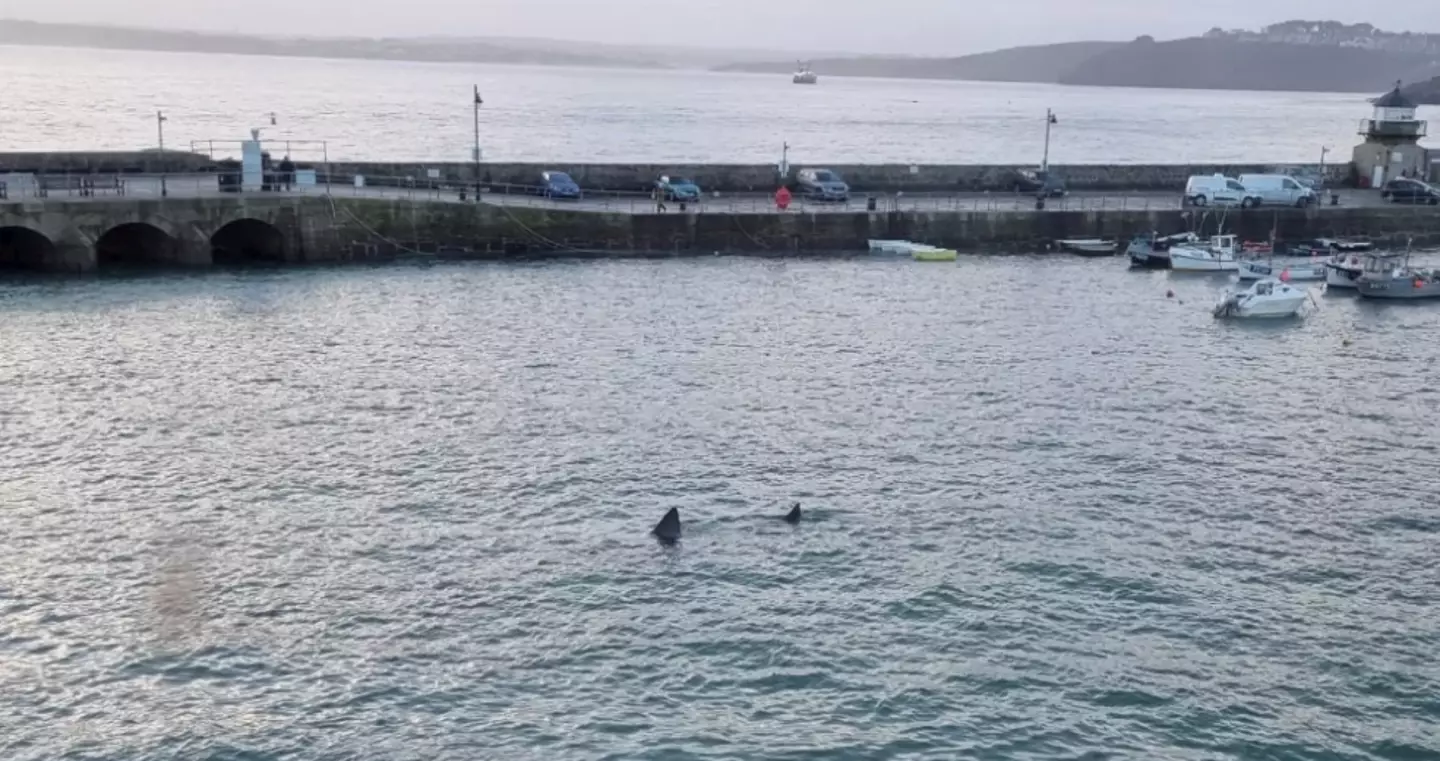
(1219, 190)
(1278, 189)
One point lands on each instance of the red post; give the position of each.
(782, 198)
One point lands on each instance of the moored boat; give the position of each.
(1152, 251)
(1217, 255)
(1344, 270)
(1089, 246)
(890, 246)
(1259, 269)
(803, 75)
(1345, 245)
(933, 254)
(1269, 297)
(909, 248)
(1390, 277)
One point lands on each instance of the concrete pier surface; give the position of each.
(725, 178)
(206, 185)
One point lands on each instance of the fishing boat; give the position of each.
(1217, 255)
(1152, 251)
(1269, 297)
(1259, 269)
(1089, 246)
(1390, 277)
(1344, 270)
(803, 74)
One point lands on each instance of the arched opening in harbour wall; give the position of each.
(25, 250)
(247, 241)
(136, 244)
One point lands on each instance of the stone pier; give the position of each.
(85, 235)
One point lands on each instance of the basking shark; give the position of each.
(668, 529)
(793, 517)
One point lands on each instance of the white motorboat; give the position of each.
(1345, 246)
(890, 246)
(1269, 297)
(919, 251)
(1259, 269)
(804, 76)
(1217, 255)
(1089, 246)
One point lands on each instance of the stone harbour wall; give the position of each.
(390, 228)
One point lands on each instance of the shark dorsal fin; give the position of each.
(668, 529)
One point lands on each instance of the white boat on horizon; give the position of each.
(1268, 298)
(1219, 254)
(803, 74)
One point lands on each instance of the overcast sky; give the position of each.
(890, 26)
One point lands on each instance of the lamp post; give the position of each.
(784, 162)
(476, 155)
(1324, 149)
(1049, 120)
(160, 128)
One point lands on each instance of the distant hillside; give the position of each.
(1425, 93)
(1292, 55)
(429, 49)
(1035, 63)
(1226, 64)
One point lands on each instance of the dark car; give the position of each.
(677, 189)
(1405, 190)
(1038, 182)
(558, 185)
(821, 185)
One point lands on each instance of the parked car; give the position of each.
(821, 185)
(677, 189)
(1039, 182)
(1219, 190)
(1278, 190)
(555, 184)
(1406, 190)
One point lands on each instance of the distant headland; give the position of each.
(1325, 56)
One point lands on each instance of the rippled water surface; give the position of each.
(390, 110)
(401, 513)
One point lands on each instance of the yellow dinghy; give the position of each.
(933, 254)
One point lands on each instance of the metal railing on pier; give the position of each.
(96, 187)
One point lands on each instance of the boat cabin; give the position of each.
(1225, 244)
(1383, 266)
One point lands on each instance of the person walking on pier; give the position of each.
(287, 172)
(659, 201)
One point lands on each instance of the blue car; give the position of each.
(822, 185)
(558, 185)
(677, 189)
